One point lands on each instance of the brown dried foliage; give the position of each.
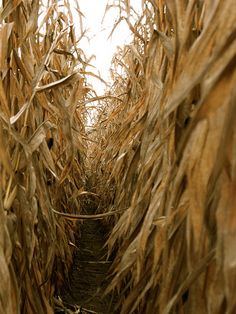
(166, 155)
(42, 151)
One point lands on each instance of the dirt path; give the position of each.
(89, 272)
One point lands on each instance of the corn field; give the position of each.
(158, 163)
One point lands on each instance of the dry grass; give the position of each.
(166, 155)
(42, 150)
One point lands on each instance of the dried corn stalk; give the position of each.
(166, 154)
(42, 150)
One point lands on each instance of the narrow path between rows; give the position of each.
(89, 273)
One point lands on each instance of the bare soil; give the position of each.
(89, 273)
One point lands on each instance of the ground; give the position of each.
(90, 270)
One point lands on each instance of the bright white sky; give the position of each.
(98, 32)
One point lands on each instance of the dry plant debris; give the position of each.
(161, 155)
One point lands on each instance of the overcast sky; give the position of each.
(99, 45)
